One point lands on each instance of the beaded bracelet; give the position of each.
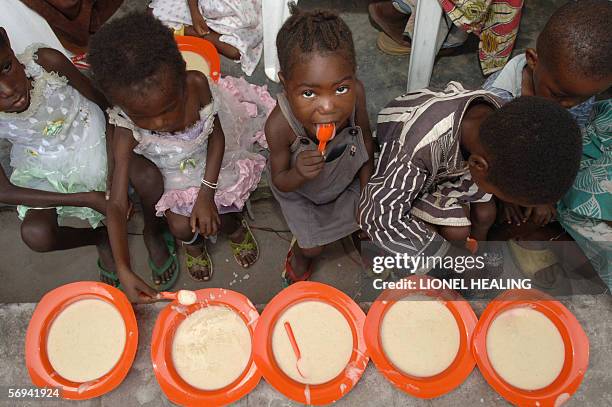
(211, 185)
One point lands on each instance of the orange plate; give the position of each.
(37, 362)
(423, 387)
(175, 388)
(575, 341)
(310, 394)
(203, 48)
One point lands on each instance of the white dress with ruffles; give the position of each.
(58, 142)
(181, 156)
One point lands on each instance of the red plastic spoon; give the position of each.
(294, 345)
(325, 132)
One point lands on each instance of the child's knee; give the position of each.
(454, 233)
(483, 214)
(39, 236)
(179, 226)
(147, 179)
(312, 252)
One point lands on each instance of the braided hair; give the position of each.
(312, 31)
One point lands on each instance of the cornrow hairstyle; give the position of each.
(312, 31)
(577, 38)
(534, 147)
(129, 52)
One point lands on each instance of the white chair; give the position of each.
(274, 14)
(428, 25)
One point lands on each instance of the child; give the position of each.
(50, 113)
(318, 194)
(443, 150)
(233, 26)
(172, 117)
(572, 62)
(585, 212)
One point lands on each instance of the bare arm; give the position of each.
(362, 120)
(278, 132)
(14, 195)
(117, 210)
(54, 61)
(117, 207)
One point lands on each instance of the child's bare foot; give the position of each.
(299, 263)
(160, 257)
(301, 266)
(389, 20)
(244, 246)
(199, 263)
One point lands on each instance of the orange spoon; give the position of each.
(294, 345)
(325, 132)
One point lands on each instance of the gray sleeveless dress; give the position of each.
(323, 209)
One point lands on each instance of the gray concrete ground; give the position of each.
(141, 389)
(27, 275)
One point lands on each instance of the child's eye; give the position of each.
(7, 67)
(308, 94)
(341, 90)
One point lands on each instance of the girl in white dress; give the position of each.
(197, 134)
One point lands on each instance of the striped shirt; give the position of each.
(420, 150)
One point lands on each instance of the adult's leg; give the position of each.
(390, 20)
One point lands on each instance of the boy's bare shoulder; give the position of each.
(277, 127)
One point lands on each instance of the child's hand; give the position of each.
(199, 24)
(136, 289)
(309, 163)
(204, 215)
(512, 213)
(97, 201)
(540, 215)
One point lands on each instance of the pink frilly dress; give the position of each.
(181, 156)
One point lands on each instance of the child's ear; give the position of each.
(532, 58)
(281, 78)
(478, 163)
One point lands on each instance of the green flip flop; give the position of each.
(248, 244)
(109, 275)
(172, 259)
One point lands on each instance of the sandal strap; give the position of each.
(248, 244)
(201, 260)
(109, 274)
(164, 267)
